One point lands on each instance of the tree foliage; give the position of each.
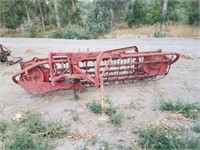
(98, 19)
(14, 14)
(95, 16)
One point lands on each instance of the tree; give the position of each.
(70, 12)
(14, 14)
(98, 19)
(41, 13)
(136, 13)
(193, 9)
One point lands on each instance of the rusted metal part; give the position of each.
(78, 70)
(5, 53)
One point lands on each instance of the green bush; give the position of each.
(57, 35)
(69, 34)
(33, 31)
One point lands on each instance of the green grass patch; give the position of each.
(196, 128)
(75, 117)
(94, 107)
(3, 126)
(159, 137)
(111, 110)
(31, 132)
(36, 124)
(116, 116)
(189, 110)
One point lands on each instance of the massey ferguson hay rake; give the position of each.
(77, 70)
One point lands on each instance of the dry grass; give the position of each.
(172, 31)
(122, 29)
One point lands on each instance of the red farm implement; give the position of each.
(77, 70)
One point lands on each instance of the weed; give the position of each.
(111, 110)
(75, 117)
(108, 100)
(104, 146)
(33, 132)
(194, 143)
(19, 140)
(94, 106)
(41, 144)
(196, 128)
(56, 130)
(117, 118)
(158, 137)
(34, 122)
(3, 126)
(189, 110)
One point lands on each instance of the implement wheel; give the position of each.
(35, 74)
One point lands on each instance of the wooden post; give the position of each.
(102, 96)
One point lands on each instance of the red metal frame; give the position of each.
(64, 70)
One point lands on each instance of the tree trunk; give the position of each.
(73, 5)
(164, 13)
(57, 15)
(41, 14)
(27, 12)
(199, 14)
(112, 15)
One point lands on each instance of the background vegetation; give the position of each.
(80, 19)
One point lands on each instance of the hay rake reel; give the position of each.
(78, 70)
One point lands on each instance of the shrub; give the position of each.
(57, 35)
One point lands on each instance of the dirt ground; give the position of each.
(139, 102)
